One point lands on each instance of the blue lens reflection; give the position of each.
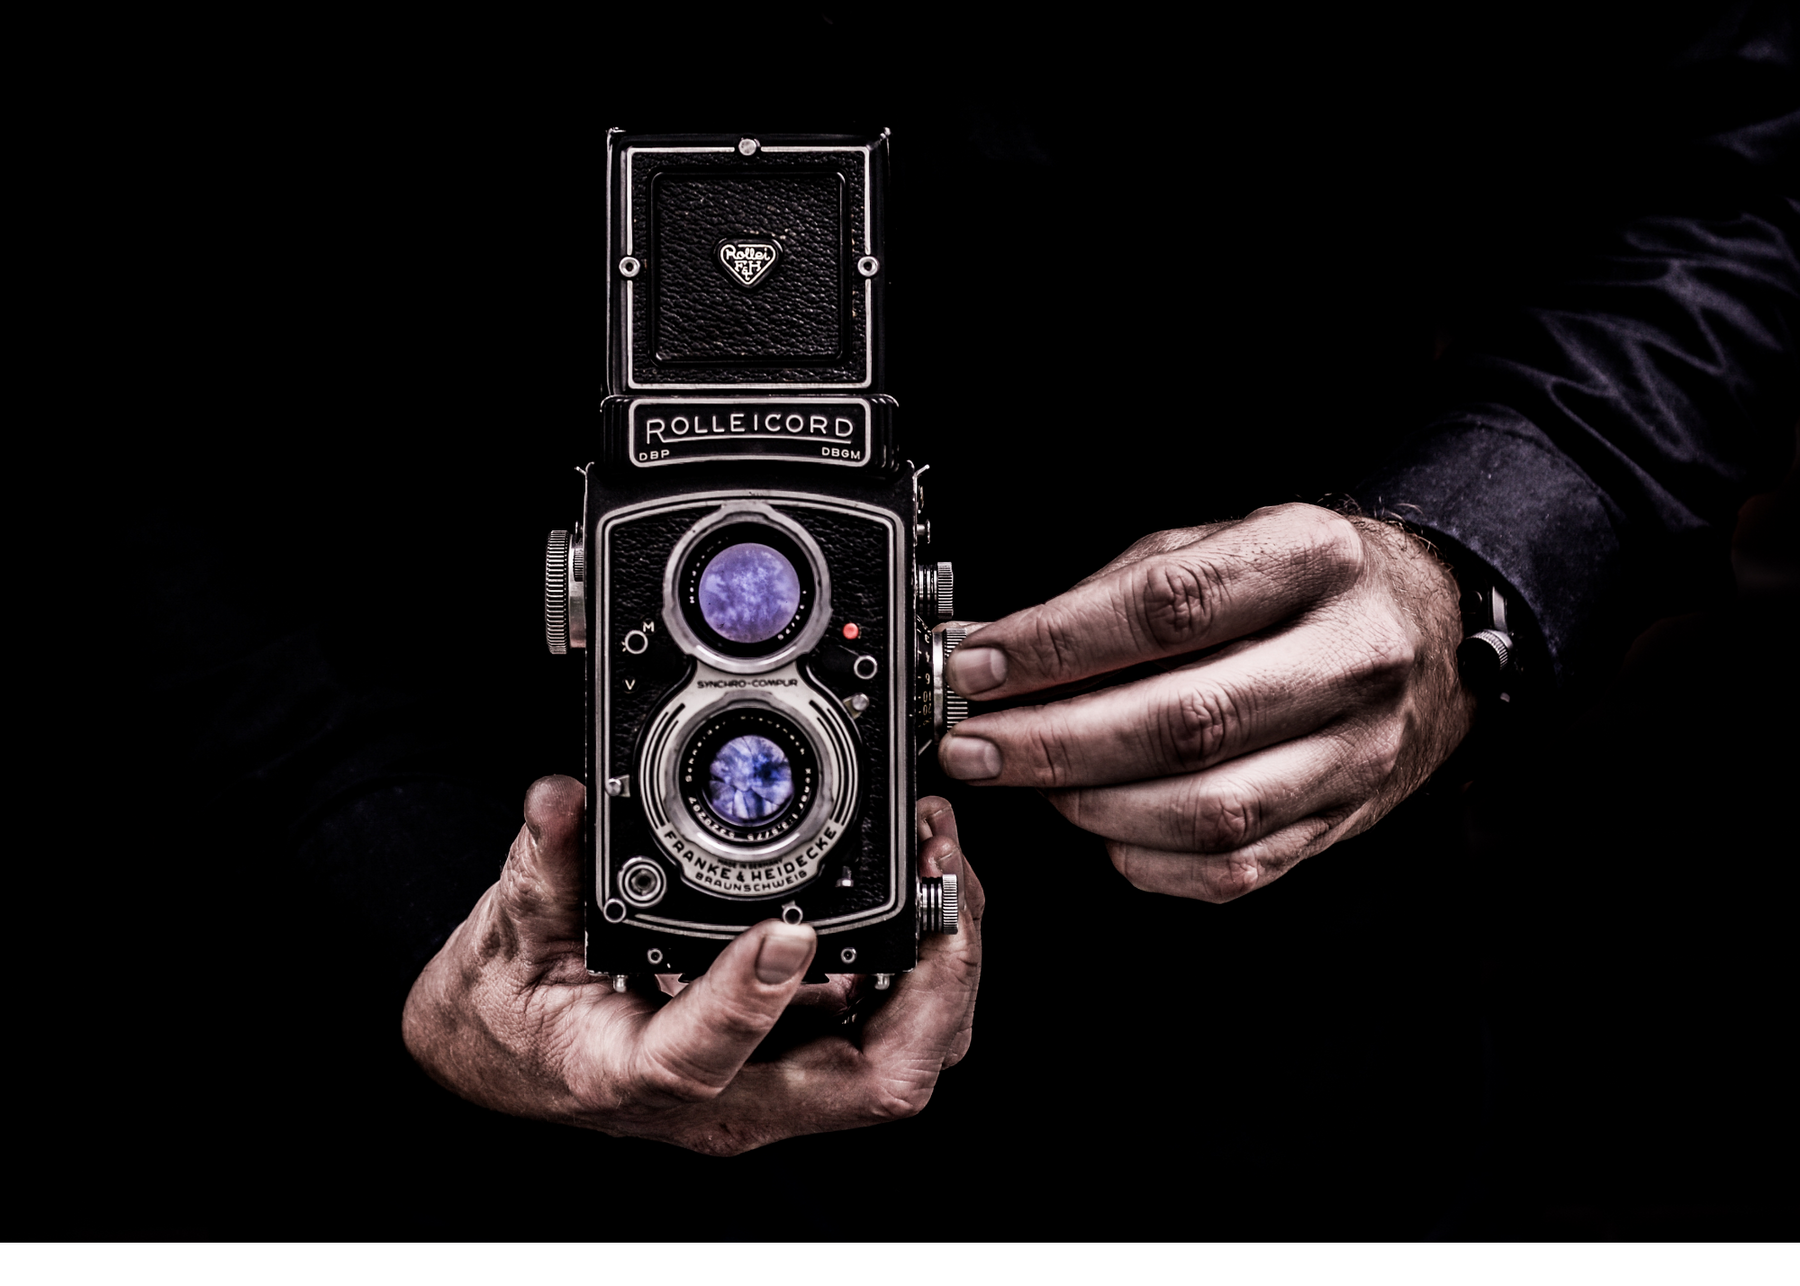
(749, 592)
(751, 779)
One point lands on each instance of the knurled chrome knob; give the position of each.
(937, 592)
(578, 592)
(565, 592)
(948, 708)
(556, 592)
(1482, 658)
(937, 904)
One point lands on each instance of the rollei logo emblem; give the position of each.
(748, 262)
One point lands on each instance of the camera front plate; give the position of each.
(657, 686)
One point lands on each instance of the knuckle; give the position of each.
(520, 892)
(661, 1078)
(736, 1019)
(1331, 541)
(1230, 881)
(1179, 597)
(1195, 725)
(1045, 755)
(959, 969)
(1388, 655)
(1126, 861)
(1070, 802)
(1220, 820)
(1383, 750)
(1054, 640)
(897, 1100)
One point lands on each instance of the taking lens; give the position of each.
(749, 592)
(749, 775)
(751, 780)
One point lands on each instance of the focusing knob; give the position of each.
(948, 708)
(565, 593)
(937, 904)
(937, 592)
(556, 593)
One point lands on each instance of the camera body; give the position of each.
(745, 578)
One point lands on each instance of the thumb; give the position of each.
(540, 885)
(696, 1043)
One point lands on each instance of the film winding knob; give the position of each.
(937, 904)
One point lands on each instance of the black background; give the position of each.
(1141, 277)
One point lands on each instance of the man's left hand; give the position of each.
(1324, 692)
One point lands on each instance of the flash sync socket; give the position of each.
(642, 882)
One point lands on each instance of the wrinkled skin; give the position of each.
(1307, 683)
(507, 1016)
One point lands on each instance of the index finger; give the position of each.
(1232, 582)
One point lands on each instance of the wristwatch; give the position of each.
(1488, 656)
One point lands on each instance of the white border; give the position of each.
(868, 378)
(968, 1263)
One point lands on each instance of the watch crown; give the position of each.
(1482, 658)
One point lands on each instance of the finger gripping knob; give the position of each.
(948, 707)
(937, 904)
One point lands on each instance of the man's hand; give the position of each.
(507, 1016)
(1325, 691)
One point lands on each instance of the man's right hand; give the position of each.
(506, 1014)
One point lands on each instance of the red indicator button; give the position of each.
(850, 630)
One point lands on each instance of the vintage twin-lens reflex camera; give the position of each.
(746, 576)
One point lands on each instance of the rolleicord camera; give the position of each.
(746, 577)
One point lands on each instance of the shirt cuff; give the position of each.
(1493, 483)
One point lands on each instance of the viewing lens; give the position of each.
(750, 776)
(748, 593)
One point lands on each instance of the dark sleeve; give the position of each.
(1598, 438)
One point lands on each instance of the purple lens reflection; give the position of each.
(751, 780)
(749, 592)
